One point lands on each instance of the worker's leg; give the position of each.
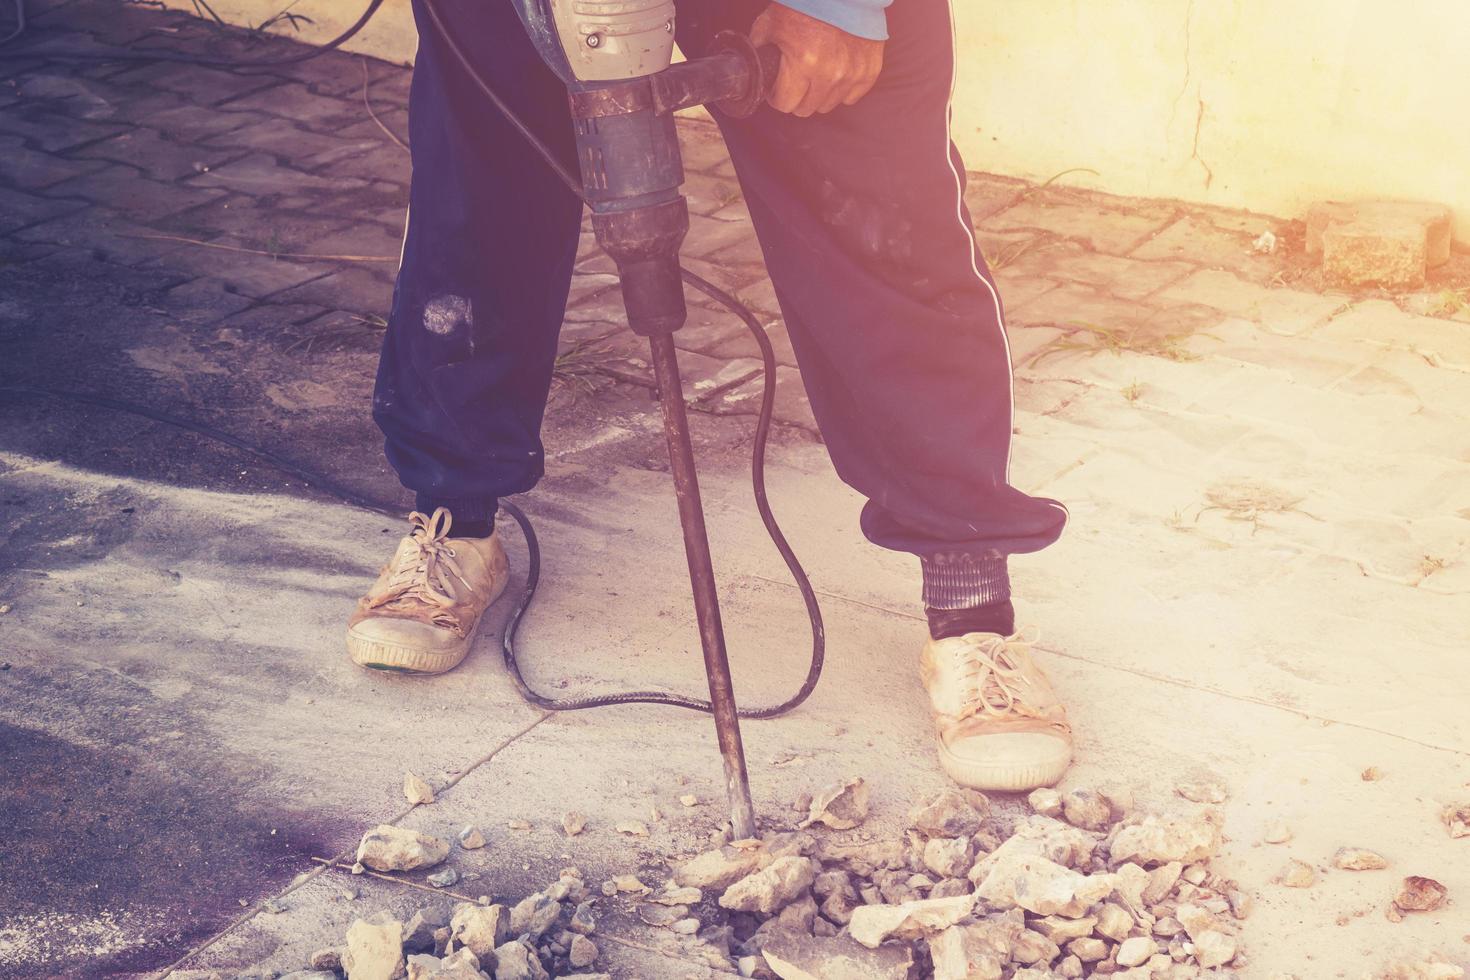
(466, 366)
(487, 261)
(892, 313)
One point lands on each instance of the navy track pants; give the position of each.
(895, 321)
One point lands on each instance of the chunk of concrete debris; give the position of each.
(629, 885)
(417, 790)
(633, 828)
(685, 927)
(718, 869)
(583, 952)
(389, 848)
(325, 959)
(443, 879)
(517, 960)
(1213, 948)
(1087, 809)
(374, 948)
(950, 814)
(1043, 887)
(1420, 894)
(422, 966)
(471, 839)
(1358, 859)
(1277, 833)
(418, 935)
(677, 895)
(1159, 840)
(1431, 222)
(1197, 920)
(1114, 921)
(459, 965)
(863, 860)
(533, 915)
(796, 957)
(765, 891)
(480, 928)
(661, 916)
(960, 953)
(871, 925)
(1088, 949)
(1456, 818)
(1297, 874)
(1046, 801)
(1062, 930)
(1042, 837)
(583, 920)
(573, 823)
(949, 857)
(1205, 791)
(1161, 882)
(518, 824)
(840, 806)
(1136, 951)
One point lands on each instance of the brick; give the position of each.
(709, 235)
(741, 344)
(1436, 220)
(1388, 252)
(278, 137)
(128, 192)
(33, 170)
(259, 175)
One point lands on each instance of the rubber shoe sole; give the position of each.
(1007, 775)
(395, 658)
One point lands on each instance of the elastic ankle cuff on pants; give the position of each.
(462, 510)
(964, 581)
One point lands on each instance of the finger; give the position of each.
(760, 31)
(816, 95)
(791, 87)
(836, 96)
(858, 90)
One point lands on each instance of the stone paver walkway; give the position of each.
(1269, 483)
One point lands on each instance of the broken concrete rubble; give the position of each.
(1044, 887)
(374, 948)
(1159, 840)
(767, 890)
(390, 848)
(950, 814)
(794, 957)
(872, 925)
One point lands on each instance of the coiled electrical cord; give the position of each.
(533, 548)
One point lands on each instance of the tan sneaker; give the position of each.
(1001, 726)
(421, 616)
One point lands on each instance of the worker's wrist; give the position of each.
(860, 18)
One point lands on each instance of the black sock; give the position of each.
(469, 517)
(995, 617)
(472, 529)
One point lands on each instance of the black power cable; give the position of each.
(533, 548)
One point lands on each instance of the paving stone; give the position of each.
(586, 332)
(364, 239)
(728, 276)
(103, 231)
(1194, 239)
(1017, 290)
(760, 296)
(792, 405)
(158, 158)
(192, 123)
(746, 252)
(366, 159)
(356, 290)
(202, 301)
(256, 276)
(127, 191)
(1443, 343)
(742, 344)
(707, 193)
(200, 85)
(271, 318)
(701, 146)
(603, 306)
(1126, 323)
(987, 195)
(1391, 253)
(1122, 277)
(317, 112)
(709, 235)
(52, 131)
(1027, 342)
(1319, 362)
(65, 93)
(260, 174)
(19, 209)
(278, 137)
(31, 170)
(1104, 229)
(1279, 310)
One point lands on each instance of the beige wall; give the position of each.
(1260, 104)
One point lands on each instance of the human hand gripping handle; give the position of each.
(822, 67)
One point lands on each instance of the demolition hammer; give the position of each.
(615, 58)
